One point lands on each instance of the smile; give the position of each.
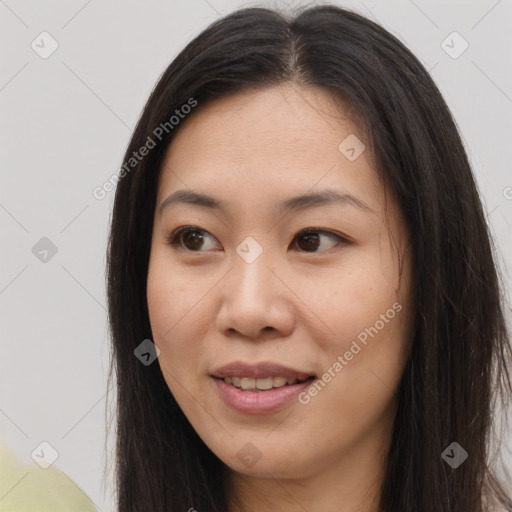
(261, 384)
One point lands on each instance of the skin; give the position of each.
(298, 306)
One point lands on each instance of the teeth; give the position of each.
(263, 384)
(247, 383)
(279, 382)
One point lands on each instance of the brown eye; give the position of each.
(309, 241)
(193, 240)
(189, 237)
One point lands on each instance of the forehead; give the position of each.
(268, 144)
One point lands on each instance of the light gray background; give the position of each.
(66, 121)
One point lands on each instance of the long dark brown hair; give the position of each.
(459, 365)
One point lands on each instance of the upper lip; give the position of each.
(259, 371)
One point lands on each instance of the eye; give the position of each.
(312, 239)
(192, 238)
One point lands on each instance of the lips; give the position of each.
(258, 401)
(263, 370)
(262, 388)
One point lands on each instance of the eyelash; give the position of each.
(174, 239)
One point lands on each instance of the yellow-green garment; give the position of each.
(41, 490)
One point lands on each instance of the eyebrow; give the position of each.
(310, 200)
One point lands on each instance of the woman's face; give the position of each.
(266, 288)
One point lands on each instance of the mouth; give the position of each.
(263, 384)
(261, 388)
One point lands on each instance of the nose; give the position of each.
(256, 303)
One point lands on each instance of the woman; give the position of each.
(297, 235)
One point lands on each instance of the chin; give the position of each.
(275, 465)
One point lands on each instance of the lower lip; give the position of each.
(259, 402)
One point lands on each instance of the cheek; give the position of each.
(353, 297)
(175, 312)
(366, 349)
(362, 368)
(172, 295)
